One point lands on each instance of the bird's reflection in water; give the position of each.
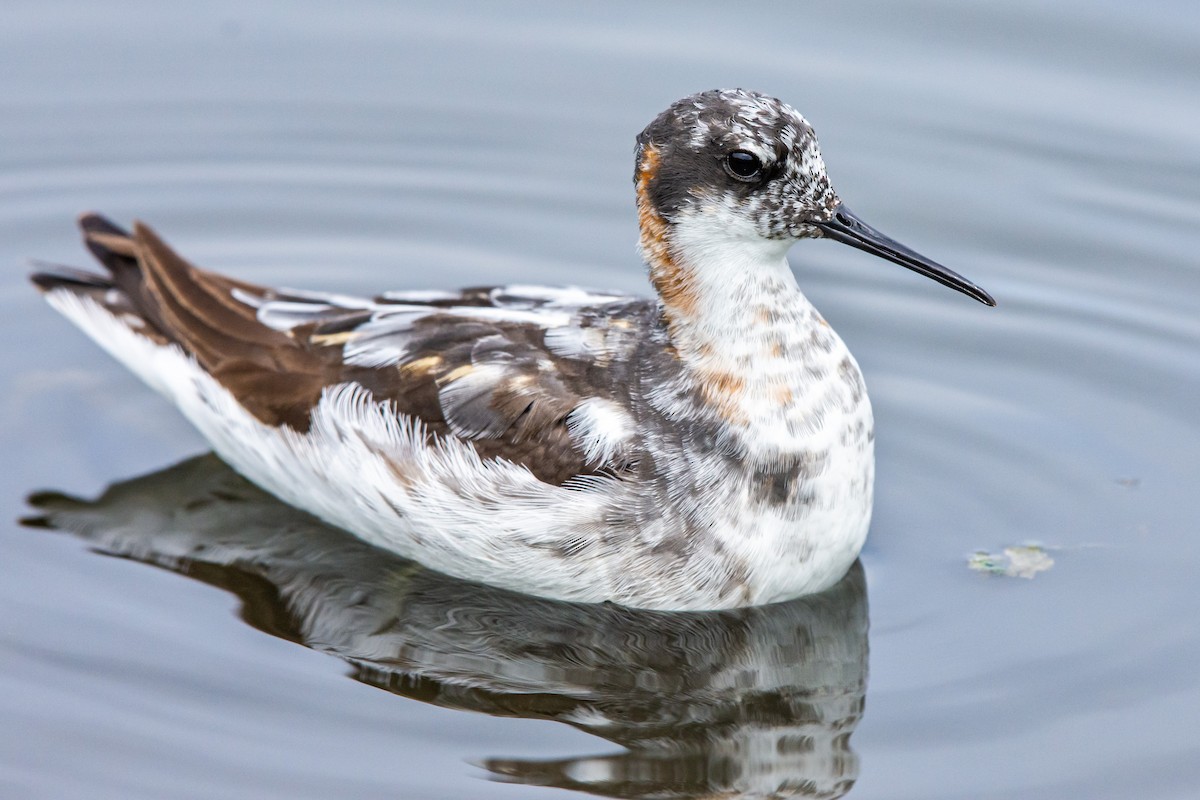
(757, 702)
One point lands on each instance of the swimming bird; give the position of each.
(708, 448)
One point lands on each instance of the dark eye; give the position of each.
(743, 165)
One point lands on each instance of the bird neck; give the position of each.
(735, 316)
(719, 282)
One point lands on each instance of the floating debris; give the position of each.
(1022, 561)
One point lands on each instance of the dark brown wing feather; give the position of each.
(492, 382)
(275, 378)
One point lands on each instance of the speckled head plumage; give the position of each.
(693, 144)
(736, 165)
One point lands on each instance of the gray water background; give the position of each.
(1050, 153)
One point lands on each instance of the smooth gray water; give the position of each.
(1050, 154)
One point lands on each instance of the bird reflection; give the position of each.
(756, 702)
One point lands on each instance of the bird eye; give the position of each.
(743, 165)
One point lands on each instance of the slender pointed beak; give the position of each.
(847, 228)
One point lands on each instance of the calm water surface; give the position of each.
(1052, 155)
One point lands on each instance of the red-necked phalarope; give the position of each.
(710, 449)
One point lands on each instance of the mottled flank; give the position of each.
(723, 391)
(848, 371)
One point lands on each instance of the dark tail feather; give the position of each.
(111, 246)
(114, 248)
(123, 290)
(57, 276)
(200, 312)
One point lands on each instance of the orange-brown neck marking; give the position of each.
(674, 282)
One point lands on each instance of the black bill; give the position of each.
(847, 228)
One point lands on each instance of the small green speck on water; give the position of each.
(1019, 561)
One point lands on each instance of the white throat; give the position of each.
(741, 290)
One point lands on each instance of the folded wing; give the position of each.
(534, 375)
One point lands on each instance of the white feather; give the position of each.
(559, 296)
(421, 295)
(602, 429)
